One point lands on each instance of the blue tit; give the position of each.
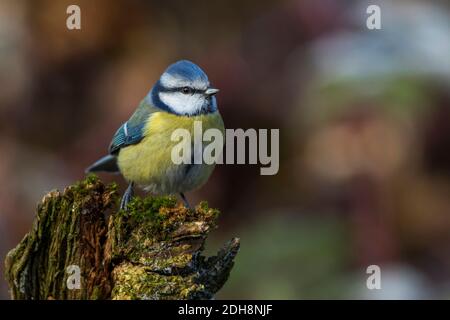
(141, 148)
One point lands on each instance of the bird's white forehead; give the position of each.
(174, 81)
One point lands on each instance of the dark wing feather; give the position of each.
(132, 131)
(126, 135)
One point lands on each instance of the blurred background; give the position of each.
(364, 119)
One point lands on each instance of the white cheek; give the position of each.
(182, 103)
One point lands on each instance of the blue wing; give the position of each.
(126, 135)
(132, 131)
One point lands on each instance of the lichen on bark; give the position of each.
(151, 251)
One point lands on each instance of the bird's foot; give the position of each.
(126, 198)
(186, 203)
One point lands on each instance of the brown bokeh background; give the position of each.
(364, 119)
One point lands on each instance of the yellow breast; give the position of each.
(149, 162)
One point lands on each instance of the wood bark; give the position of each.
(81, 247)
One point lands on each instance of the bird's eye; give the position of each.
(186, 90)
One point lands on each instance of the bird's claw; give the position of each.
(126, 198)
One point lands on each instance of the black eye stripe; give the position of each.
(180, 89)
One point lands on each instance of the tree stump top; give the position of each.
(82, 247)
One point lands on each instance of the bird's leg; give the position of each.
(129, 193)
(186, 203)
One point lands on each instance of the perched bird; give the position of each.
(141, 148)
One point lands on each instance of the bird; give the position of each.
(141, 148)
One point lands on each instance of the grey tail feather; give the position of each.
(106, 164)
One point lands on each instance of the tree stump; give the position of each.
(81, 247)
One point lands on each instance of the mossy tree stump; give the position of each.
(80, 247)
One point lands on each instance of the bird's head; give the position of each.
(184, 89)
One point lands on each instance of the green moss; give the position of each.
(158, 233)
(135, 282)
(150, 251)
(81, 191)
(159, 237)
(158, 218)
(54, 242)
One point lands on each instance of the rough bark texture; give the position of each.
(151, 251)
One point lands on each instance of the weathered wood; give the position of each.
(151, 251)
